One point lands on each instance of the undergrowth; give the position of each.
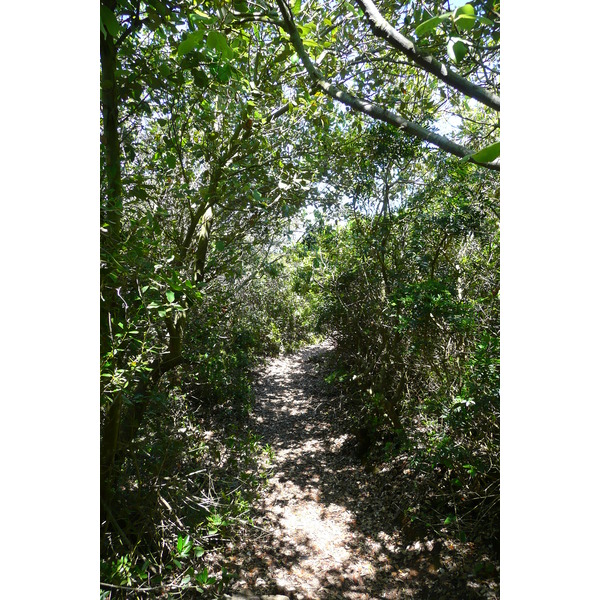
(455, 478)
(185, 493)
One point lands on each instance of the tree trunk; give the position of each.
(111, 216)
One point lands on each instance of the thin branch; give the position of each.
(143, 589)
(255, 18)
(278, 112)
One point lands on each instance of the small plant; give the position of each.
(184, 546)
(202, 578)
(124, 570)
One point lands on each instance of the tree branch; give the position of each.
(372, 110)
(382, 29)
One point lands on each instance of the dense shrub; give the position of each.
(411, 297)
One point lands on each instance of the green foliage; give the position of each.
(189, 301)
(218, 145)
(463, 18)
(108, 22)
(209, 476)
(457, 49)
(428, 26)
(488, 154)
(410, 296)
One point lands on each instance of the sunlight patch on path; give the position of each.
(319, 536)
(313, 542)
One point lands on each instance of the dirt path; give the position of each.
(331, 529)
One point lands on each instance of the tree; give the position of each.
(410, 284)
(463, 19)
(192, 165)
(195, 147)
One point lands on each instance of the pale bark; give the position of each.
(382, 29)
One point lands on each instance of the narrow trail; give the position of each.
(330, 526)
(314, 543)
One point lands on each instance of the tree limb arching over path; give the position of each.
(330, 525)
(382, 29)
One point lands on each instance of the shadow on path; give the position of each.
(330, 529)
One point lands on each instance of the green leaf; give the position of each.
(170, 296)
(487, 154)
(202, 576)
(171, 160)
(198, 14)
(297, 6)
(467, 10)
(200, 78)
(428, 26)
(240, 5)
(108, 19)
(220, 245)
(465, 17)
(190, 43)
(213, 39)
(218, 41)
(464, 22)
(457, 49)
(158, 6)
(472, 470)
(223, 73)
(199, 551)
(175, 284)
